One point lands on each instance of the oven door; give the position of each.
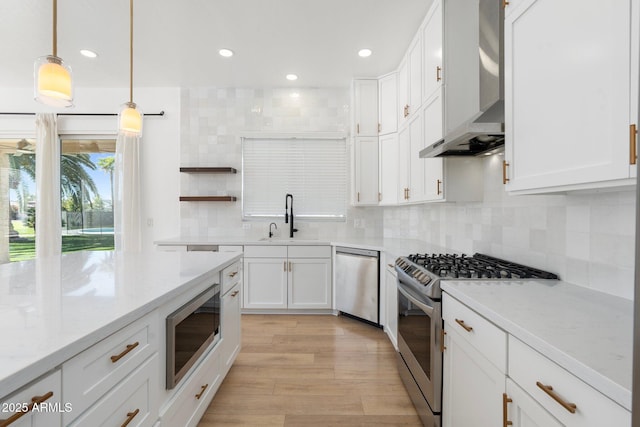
(419, 339)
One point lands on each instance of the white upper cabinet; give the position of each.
(410, 82)
(432, 50)
(366, 107)
(366, 171)
(571, 94)
(388, 169)
(388, 104)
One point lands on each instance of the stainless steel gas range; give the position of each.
(420, 326)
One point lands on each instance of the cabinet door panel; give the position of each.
(404, 151)
(415, 75)
(567, 92)
(523, 411)
(388, 179)
(231, 331)
(388, 109)
(366, 107)
(366, 171)
(265, 283)
(310, 283)
(432, 44)
(416, 164)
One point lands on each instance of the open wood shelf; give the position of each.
(208, 170)
(208, 198)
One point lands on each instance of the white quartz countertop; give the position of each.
(54, 308)
(588, 333)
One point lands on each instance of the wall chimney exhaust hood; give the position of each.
(473, 80)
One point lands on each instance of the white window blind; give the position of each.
(313, 170)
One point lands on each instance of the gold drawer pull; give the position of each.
(203, 388)
(438, 77)
(571, 407)
(234, 293)
(505, 400)
(632, 144)
(35, 400)
(442, 346)
(505, 165)
(233, 274)
(130, 417)
(438, 192)
(130, 347)
(464, 325)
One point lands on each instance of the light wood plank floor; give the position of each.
(309, 370)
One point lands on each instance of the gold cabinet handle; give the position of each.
(438, 192)
(379, 127)
(438, 76)
(571, 407)
(358, 196)
(233, 274)
(464, 325)
(505, 164)
(35, 400)
(130, 417)
(358, 128)
(234, 293)
(505, 3)
(285, 266)
(633, 156)
(202, 389)
(406, 110)
(290, 267)
(379, 196)
(505, 400)
(130, 347)
(408, 193)
(442, 346)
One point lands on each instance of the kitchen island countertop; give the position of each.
(588, 333)
(53, 308)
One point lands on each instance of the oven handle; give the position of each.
(424, 307)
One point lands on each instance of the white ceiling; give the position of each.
(176, 41)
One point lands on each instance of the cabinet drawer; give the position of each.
(486, 337)
(89, 375)
(47, 391)
(230, 276)
(134, 398)
(527, 368)
(265, 251)
(195, 394)
(309, 251)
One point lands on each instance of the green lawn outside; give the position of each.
(25, 248)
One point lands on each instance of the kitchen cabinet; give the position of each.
(281, 277)
(46, 391)
(391, 304)
(388, 103)
(365, 107)
(432, 51)
(571, 94)
(567, 398)
(230, 317)
(522, 411)
(410, 82)
(474, 367)
(388, 169)
(366, 171)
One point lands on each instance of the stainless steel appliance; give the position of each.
(420, 326)
(358, 283)
(191, 330)
(474, 78)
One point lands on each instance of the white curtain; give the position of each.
(126, 206)
(48, 216)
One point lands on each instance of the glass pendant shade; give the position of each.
(130, 119)
(53, 82)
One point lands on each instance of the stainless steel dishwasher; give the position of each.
(358, 284)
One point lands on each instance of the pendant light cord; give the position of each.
(130, 50)
(55, 27)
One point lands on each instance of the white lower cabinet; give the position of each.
(523, 411)
(391, 304)
(46, 393)
(281, 277)
(231, 330)
(194, 396)
(132, 402)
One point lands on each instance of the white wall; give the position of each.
(213, 119)
(160, 145)
(587, 239)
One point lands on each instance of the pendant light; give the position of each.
(130, 116)
(53, 83)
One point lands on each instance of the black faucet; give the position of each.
(288, 212)
(271, 232)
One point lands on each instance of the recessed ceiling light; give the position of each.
(227, 53)
(88, 53)
(364, 53)
(292, 77)
(294, 95)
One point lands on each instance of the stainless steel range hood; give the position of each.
(474, 80)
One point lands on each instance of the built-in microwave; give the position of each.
(191, 331)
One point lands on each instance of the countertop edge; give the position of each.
(596, 380)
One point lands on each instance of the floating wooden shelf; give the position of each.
(208, 198)
(207, 170)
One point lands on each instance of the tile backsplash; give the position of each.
(212, 120)
(586, 238)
